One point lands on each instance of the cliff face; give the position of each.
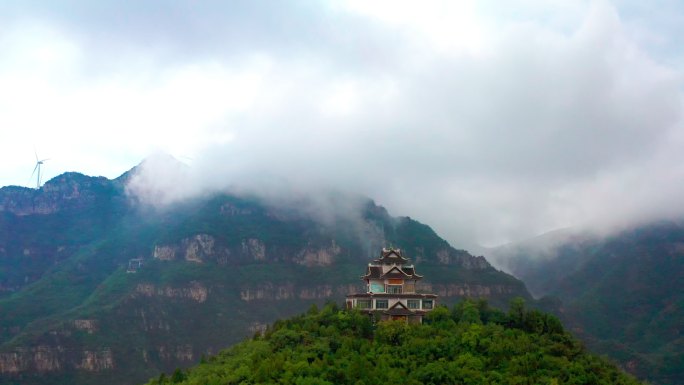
(108, 291)
(44, 359)
(69, 191)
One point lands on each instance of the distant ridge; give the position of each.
(620, 293)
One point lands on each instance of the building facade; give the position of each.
(391, 290)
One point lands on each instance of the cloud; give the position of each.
(485, 124)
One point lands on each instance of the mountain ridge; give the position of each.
(618, 293)
(214, 269)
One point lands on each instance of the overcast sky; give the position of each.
(488, 120)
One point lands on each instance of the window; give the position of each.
(376, 287)
(381, 304)
(413, 303)
(427, 304)
(394, 289)
(363, 303)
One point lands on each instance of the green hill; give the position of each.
(621, 294)
(469, 344)
(214, 270)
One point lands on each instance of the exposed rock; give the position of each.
(254, 248)
(288, 291)
(268, 291)
(181, 353)
(13, 362)
(194, 291)
(450, 257)
(154, 323)
(318, 257)
(232, 210)
(89, 325)
(165, 253)
(96, 361)
(323, 291)
(475, 263)
(443, 256)
(199, 247)
(69, 190)
(343, 290)
(44, 358)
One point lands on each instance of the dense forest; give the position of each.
(620, 294)
(470, 343)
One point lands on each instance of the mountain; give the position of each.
(471, 344)
(97, 286)
(621, 293)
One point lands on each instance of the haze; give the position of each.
(490, 121)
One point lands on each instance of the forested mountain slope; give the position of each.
(98, 287)
(622, 294)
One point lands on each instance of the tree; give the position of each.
(516, 312)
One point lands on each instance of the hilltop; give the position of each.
(469, 344)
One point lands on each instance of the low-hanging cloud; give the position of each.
(491, 132)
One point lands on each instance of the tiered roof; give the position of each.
(399, 270)
(399, 309)
(391, 256)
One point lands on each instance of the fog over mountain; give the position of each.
(491, 122)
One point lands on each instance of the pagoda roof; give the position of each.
(373, 272)
(398, 309)
(410, 270)
(391, 256)
(396, 272)
(399, 272)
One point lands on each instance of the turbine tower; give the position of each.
(39, 163)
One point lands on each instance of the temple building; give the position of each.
(391, 290)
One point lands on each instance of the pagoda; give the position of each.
(391, 290)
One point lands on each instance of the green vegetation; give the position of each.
(469, 344)
(65, 249)
(620, 294)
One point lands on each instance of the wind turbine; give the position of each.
(39, 163)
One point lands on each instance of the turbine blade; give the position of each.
(35, 153)
(34, 169)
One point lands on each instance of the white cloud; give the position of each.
(488, 121)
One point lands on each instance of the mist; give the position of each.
(487, 124)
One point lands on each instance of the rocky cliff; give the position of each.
(108, 290)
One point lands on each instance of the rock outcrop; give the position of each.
(88, 325)
(44, 358)
(195, 291)
(269, 291)
(311, 256)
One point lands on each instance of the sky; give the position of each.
(490, 121)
